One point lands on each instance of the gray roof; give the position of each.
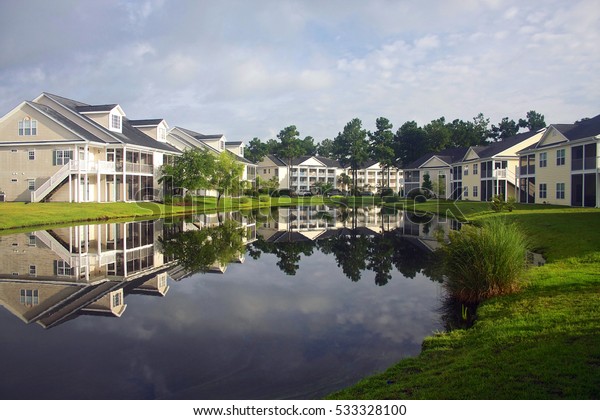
(200, 136)
(146, 123)
(233, 143)
(96, 108)
(583, 129)
(276, 160)
(129, 135)
(77, 129)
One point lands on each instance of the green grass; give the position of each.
(540, 343)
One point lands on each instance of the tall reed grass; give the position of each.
(486, 261)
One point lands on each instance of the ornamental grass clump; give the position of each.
(486, 261)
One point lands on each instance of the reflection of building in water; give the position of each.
(425, 230)
(300, 223)
(317, 222)
(51, 276)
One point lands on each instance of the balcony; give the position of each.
(139, 168)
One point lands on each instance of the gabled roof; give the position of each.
(276, 160)
(65, 122)
(498, 147)
(583, 129)
(241, 158)
(200, 136)
(448, 156)
(129, 134)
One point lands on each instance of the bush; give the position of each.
(264, 198)
(245, 200)
(480, 262)
(497, 203)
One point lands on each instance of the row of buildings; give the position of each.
(558, 164)
(57, 149)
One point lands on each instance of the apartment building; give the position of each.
(303, 173)
(58, 149)
(563, 167)
(372, 177)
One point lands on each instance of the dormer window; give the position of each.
(27, 127)
(115, 122)
(222, 145)
(162, 134)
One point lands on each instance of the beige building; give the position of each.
(563, 167)
(58, 149)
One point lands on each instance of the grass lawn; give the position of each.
(540, 343)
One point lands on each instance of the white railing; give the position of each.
(504, 174)
(44, 189)
(71, 167)
(140, 168)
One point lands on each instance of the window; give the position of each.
(543, 191)
(13, 150)
(31, 184)
(475, 166)
(543, 159)
(475, 191)
(31, 154)
(465, 191)
(466, 170)
(560, 191)
(62, 157)
(13, 180)
(264, 171)
(162, 133)
(32, 240)
(62, 268)
(560, 157)
(27, 127)
(115, 122)
(29, 297)
(32, 270)
(117, 299)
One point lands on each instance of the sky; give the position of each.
(251, 68)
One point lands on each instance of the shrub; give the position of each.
(264, 198)
(480, 262)
(497, 203)
(245, 200)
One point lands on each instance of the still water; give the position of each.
(295, 303)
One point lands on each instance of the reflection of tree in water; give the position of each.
(200, 250)
(355, 253)
(289, 253)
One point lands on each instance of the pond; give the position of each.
(291, 304)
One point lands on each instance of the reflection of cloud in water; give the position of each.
(254, 332)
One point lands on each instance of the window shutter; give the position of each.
(55, 267)
(54, 158)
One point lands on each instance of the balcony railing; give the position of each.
(140, 168)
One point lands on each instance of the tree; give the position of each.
(325, 148)
(344, 180)
(290, 146)
(307, 146)
(427, 184)
(507, 128)
(382, 146)
(226, 175)
(191, 170)
(410, 142)
(351, 147)
(256, 150)
(438, 135)
(534, 121)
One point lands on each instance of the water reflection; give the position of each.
(361, 239)
(230, 330)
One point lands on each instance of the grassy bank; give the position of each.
(25, 215)
(540, 343)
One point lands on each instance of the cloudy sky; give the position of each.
(250, 68)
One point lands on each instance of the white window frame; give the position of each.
(31, 154)
(475, 191)
(116, 122)
(475, 165)
(543, 190)
(560, 190)
(27, 127)
(560, 157)
(31, 184)
(543, 160)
